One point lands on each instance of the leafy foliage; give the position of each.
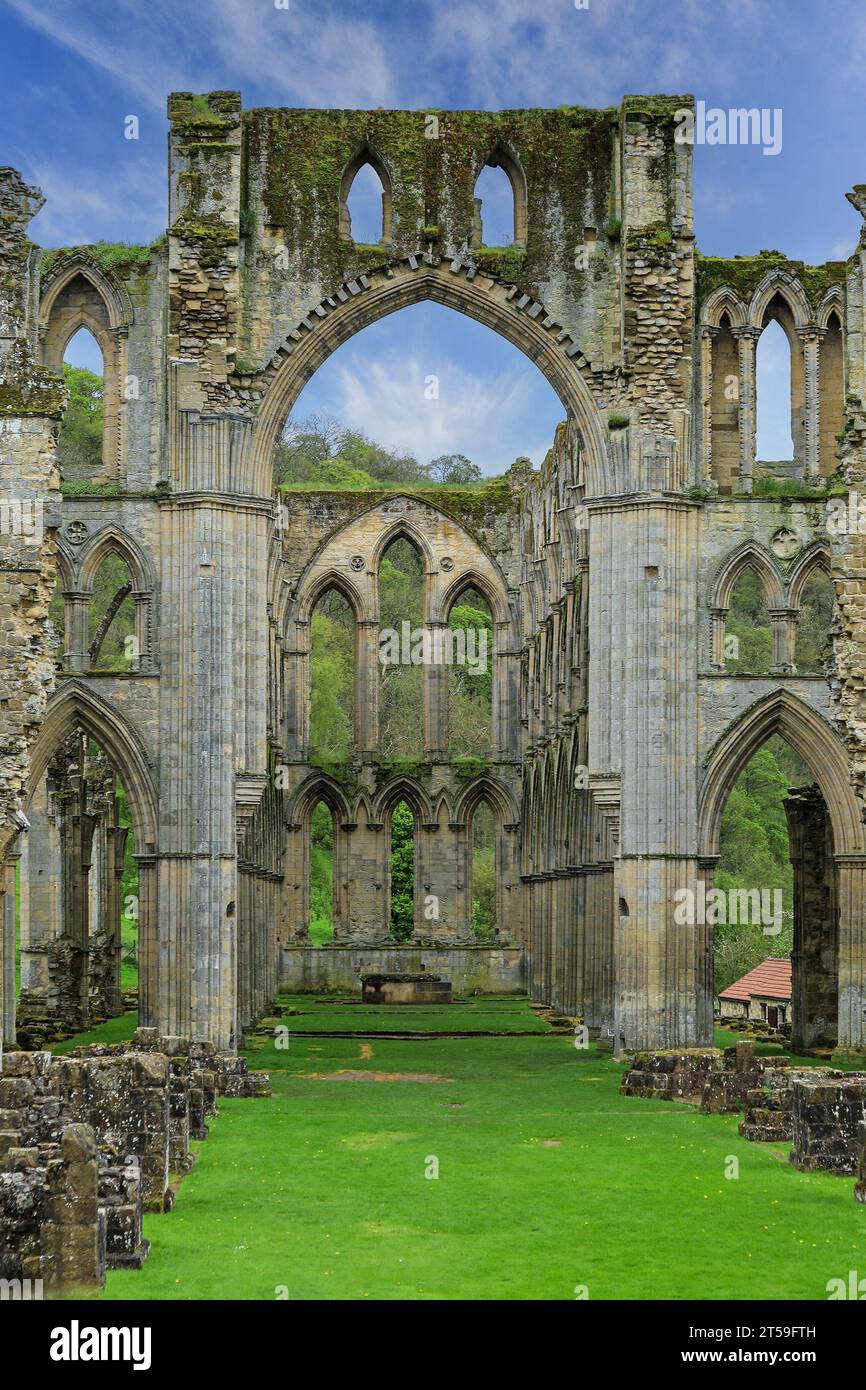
(320, 452)
(402, 872)
(79, 448)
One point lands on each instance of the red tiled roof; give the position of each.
(769, 980)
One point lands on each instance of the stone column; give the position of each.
(747, 339)
(7, 946)
(436, 696)
(815, 957)
(811, 340)
(708, 336)
(443, 872)
(852, 954)
(784, 627)
(367, 673)
(76, 656)
(718, 618)
(643, 720)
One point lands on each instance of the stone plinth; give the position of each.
(405, 989)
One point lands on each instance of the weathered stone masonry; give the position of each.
(617, 730)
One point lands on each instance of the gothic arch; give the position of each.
(747, 556)
(832, 303)
(76, 707)
(494, 595)
(366, 155)
(816, 556)
(408, 790)
(486, 788)
(788, 287)
(118, 305)
(114, 540)
(457, 286)
(310, 592)
(501, 157)
(813, 738)
(315, 788)
(402, 529)
(723, 301)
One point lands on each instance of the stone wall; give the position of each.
(87, 1144)
(471, 969)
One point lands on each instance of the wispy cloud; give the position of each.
(489, 416)
(307, 56)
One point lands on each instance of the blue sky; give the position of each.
(72, 70)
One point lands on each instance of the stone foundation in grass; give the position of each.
(828, 1114)
(670, 1075)
(88, 1142)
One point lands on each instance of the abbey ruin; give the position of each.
(617, 731)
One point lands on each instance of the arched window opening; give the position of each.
(332, 678)
(500, 203)
(748, 630)
(321, 875)
(80, 441)
(812, 646)
(483, 856)
(777, 899)
(470, 675)
(112, 644)
(724, 408)
(416, 387)
(779, 387)
(78, 896)
(402, 872)
(365, 201)
(831, 394)
(402, 650)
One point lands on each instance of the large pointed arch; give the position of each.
(76, 707)
(374, 295)
(811, 736)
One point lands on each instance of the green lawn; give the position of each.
(548, 1179)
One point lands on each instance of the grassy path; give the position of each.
(548, 1179)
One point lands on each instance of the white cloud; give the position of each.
(489, 417)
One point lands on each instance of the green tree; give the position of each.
(813, 645)
(402, 872)
(454, 470)
(332, 669)
(749, 622)
(79, 446)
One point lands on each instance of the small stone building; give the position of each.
(764, 994)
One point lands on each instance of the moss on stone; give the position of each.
(743, 274)
(294, 162)
(120, 257)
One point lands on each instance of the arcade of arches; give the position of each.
(161, 604)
